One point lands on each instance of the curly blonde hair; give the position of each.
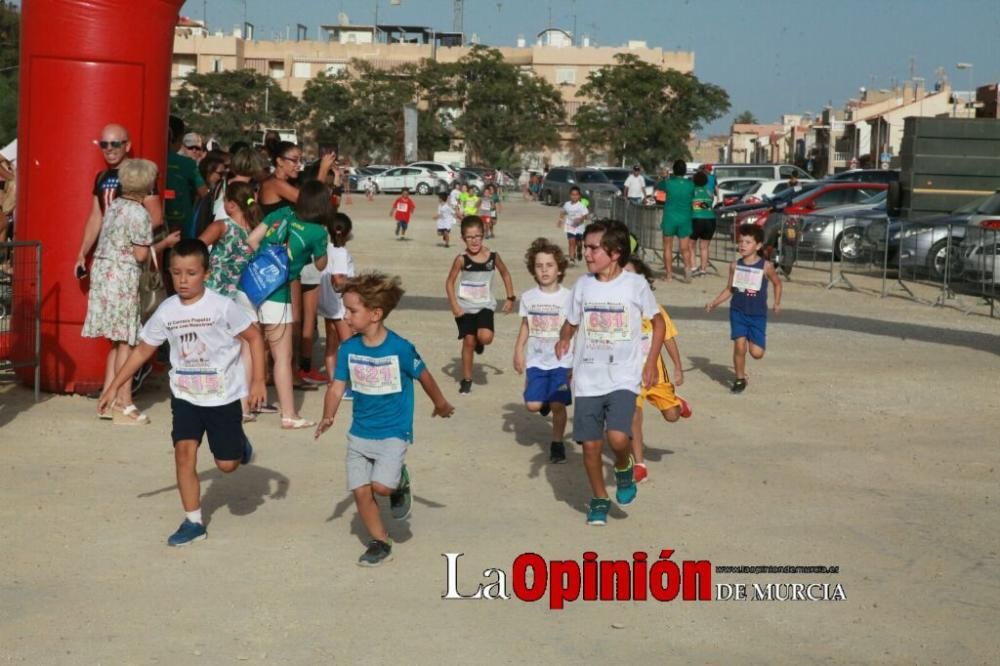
(137, 176)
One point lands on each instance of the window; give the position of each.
(277, 69)
(832, 198)
(565, 75)
(183, 69)
(301, 70)
(335, 69)
(218, 65)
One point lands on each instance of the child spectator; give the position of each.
(381, 367)
(473, 303)
(204, 330)
(606, 313)
(445, 217)
(748, 309)
(661, 395)
(339, 267)
(402, 211)
(543, 310)
(573, 218)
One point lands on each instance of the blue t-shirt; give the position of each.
(382, 380)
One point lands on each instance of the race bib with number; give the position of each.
(402, 208)
(200, 382)
(607, 322)
(375, 376)
(544, 321)
(747, 278)
(474, 292)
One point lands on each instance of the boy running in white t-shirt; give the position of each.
(609, 368)
(207, 378)
(573, 219)
(543, 311)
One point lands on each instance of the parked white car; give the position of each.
(421, 181)
(439, 169)
(766, 189)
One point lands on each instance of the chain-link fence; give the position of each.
(21, 307)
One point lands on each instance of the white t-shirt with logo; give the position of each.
(204, 349)
(576, 213)
(338, 262)
(607, 355)
(545, 314)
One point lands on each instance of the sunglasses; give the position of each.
(111, 144)
(198, 148)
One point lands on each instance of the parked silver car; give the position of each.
(926, 245)
(414, 179)
(559, 180)
(825, 232)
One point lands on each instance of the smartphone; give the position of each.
(81, 272)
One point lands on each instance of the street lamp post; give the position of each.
(968, 66)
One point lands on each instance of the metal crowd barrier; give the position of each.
(21, 307)
(643, 222)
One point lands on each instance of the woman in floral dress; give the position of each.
(113, 301)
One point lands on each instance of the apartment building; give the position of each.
(554, 56)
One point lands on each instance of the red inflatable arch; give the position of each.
(84, 64)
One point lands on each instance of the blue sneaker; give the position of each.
(247, 452)
(625, 478)
(348, 394)
(598, 514)
(187, 533)
(401, 500)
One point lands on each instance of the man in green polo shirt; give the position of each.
(677, 218)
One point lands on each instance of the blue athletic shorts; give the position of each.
(547, 386)
(751, 327)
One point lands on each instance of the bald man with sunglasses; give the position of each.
(115, 146)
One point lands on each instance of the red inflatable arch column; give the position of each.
(84, 64)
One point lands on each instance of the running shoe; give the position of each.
(187, 533)
(465, 386)
(685, 409)
(625, 479)
(546, 409)
(247, 452)
(640, 472)
(739, 385)
(348, 394)
(377, 553)
(140, 376)
(598, 513)
(401, 500)
(312, 377)
(480, 348)
(557, 453)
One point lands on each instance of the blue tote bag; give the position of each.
(268, 271)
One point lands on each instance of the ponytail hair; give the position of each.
(340, 229)
(242, 195)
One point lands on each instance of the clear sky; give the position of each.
(772, 56)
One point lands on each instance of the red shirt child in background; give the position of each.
(402, 209)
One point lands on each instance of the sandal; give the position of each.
(249, 418)
(296, 424)
(266, 409)
(130, 416)
(109, 414)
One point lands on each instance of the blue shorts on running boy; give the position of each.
(548, 386)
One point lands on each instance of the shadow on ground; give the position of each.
(399, 530)
(243, 491)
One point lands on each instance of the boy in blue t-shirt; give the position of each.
(381, 367)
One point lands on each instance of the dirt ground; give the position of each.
(866, 440)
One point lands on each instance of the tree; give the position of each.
(745, 118)
(10, 22)
(504, 111)
(644, 114)
(232, 105)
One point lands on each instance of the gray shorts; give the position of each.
(595, 414)
(378, 460)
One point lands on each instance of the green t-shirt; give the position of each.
(182, 183)
(680, 196)
(469, 203)
(701, 204)
(307, 242)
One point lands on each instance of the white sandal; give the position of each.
(130, 416)
(296, 424)
(108, 414)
